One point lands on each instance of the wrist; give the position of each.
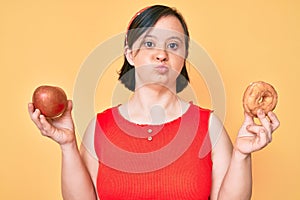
(237, 154)
(67, 147)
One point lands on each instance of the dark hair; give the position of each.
(140, 23)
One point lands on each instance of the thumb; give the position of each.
(69, 108)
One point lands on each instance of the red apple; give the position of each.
(50, 100)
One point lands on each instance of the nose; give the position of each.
(161, 55)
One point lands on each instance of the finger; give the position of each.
(34, 113)
(47, 128)
(255, 129)
(70, 105)
(263, 138)
(248, 119)
(30, 108)
(68, 109)
(35, 117)
(264, 120)
(50, 130)
(274, 120)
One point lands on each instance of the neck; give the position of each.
(147, 97)
(151, 106)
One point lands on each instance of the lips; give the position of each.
(162, 69)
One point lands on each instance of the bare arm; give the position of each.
(221, 154)
(76, 182)
(231, 171)
(88, 153)
(237, 182)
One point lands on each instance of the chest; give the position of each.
(166, 167)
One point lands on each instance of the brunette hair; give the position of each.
(139, 24)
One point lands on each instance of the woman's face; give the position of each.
(159, 54)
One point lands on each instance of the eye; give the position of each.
(149, 44)
(172, 45)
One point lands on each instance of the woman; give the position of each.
(156, 146)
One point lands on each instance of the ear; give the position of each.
(129, 55)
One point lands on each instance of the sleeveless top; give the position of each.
(165, 162)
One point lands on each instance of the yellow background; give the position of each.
(45, 42)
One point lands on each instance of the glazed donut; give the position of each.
(259, 95)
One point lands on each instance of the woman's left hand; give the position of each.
(253, 137)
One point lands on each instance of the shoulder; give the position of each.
(195, 107)
(107, 111)
(107, 114)
(199, 108)
(89, 134)
(203, 113)
(217, 132)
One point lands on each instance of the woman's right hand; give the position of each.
(60, 129)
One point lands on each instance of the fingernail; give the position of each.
(262, 131)
(260, 112)
(247, 127)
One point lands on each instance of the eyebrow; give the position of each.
(170, 38)
(150, 36)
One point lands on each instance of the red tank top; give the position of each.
(143, 162)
